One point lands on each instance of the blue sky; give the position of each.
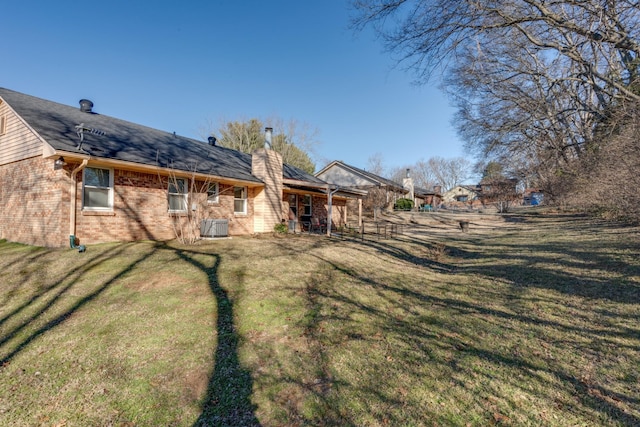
(181, 65)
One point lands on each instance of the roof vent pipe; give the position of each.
(212, 140)
(408, 172)
(86, 105)
(267, 138)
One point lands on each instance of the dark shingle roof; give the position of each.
(419, 191)
(112, 138)
(292, 172)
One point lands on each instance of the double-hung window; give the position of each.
(213, 191)
(306, 205)
(177, 195)
(97, 189)
(240, 200)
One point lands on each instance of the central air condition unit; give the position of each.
(214, 228)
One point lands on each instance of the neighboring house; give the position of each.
(462, 196)
(350, 177)
(423, 197)
(68, 171)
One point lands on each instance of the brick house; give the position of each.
(380, 192)
(463, 196)
(431, 198)
(67, 171)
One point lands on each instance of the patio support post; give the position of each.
(330, 202)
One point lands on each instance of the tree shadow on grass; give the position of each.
(228, 398)
(43, 303)
(592, 395)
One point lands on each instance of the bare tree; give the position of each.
(609, 177)
(533, 80)
(424, 175)
(436, 171)
(375, 164)
(601, 37)
(377, 197)
(295, 141)
(501, 193)
(244, 136)
(187, 199)
(449, 172)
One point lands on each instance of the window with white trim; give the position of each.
(97, 189)
(177, 195)
(3, 125)
(240, 200)
(213, 191)
(306, 205)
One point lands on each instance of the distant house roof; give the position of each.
(421, 192)
(71, 130)
(374, 179)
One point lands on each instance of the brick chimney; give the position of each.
(266, 165)
(407, 184)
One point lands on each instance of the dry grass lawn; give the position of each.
(528, 319)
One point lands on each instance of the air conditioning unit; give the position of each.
(214, 228)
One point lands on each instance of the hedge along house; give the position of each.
(67, 171)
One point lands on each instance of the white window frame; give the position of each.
(243, 200)
(213, 192)
(86, 187)
(3, 125)
(173, 182)
(307, 206)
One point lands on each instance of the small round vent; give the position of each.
(86, 105)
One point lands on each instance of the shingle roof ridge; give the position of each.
(371, 175)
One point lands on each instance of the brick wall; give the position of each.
(34, 203)
(35, 207)
(319, 208)
(140, 211)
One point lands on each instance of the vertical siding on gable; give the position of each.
(19, 142)
(340, 176)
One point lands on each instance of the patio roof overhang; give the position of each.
(325, 189)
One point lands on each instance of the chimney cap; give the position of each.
(267, 137)
(85, 105)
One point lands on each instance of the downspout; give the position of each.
(74, 195)
(330, 219)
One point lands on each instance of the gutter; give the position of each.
(74, 196)
(151, 169)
